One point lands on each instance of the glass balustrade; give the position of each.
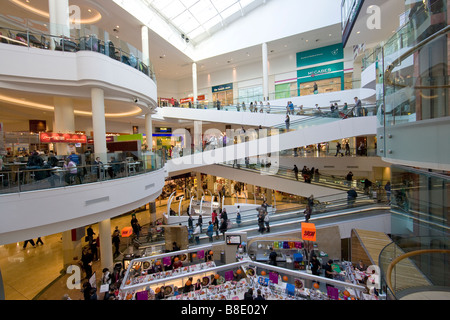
(46, 173)
(413, 265)
(43, 35)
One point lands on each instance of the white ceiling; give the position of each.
(169, 62)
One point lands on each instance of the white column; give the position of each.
(99, 124)
(64, 121)
(149, 130)
(265, 62)
(106, 251)
(194, 83)
(145, 46)
(59, 19)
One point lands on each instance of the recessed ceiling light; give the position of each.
(89, 10)
(358, 32)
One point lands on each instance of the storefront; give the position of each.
(224, 94)
(321, 70)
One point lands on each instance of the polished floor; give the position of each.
(37, 272)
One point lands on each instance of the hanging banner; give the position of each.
(308, 231)
(45, 137)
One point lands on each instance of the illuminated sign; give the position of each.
(45, 137)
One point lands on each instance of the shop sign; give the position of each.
(224, 87)
(320, 55)
(308, 231)
(321, 73)
(185, 100)
(45, 137)
(201, 98)
(163, 130)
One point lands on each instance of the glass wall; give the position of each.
(420, 203)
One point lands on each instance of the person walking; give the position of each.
(261, 222)
(295, 172)
(116, 241)
(238, 216)
(39, 240)
(197, 234)
(210, 231)
(307, 213)
(267, 221)
(387, 188)
(288, 122)
(223, 227)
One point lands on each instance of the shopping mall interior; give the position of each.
(199, 150)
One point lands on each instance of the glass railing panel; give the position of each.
(21, 175)
(30, 33)
(427, 271)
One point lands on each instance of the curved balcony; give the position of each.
(44, 63)
(55, 199)
(416, 268)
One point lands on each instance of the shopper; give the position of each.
(39, 240)
(223, 227)
(238, 216)
(86, 259)
(387, 188)
(315, 265)
(329, 272)
(116, 241)
(249, 294)
(295, 172)
(197, 234)
(200, 222)
(349, 178)
(288, 122)
(351, 197)
(307, 213)
(198, 285)
(259, 295)
(210, 231)
(273, 257)
(261, 222)
(267, 221)
(358, 107)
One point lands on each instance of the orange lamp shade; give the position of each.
(211, 252)
(126, 232)
(346, 293)
(216, 276)
(308, 231)
(158, 263)
(263, 273)
(194, 255)
(176, 259)
(239, 271)
(316, 285)
(285, 278)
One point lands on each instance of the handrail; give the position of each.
(405, 256)
(418, 46)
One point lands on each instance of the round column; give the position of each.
(145, 46)
(194, 83)
(98, 123)
(149, 131)
(106, 251)
(64, 121)
(265, 66)
(58, 19)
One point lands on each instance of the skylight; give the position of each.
(198, 19)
